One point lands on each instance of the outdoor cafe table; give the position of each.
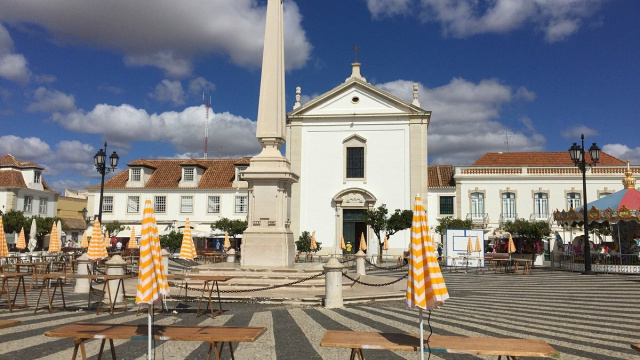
(106, 289)
(32, 267)
(58, 279)
(8, 323)
(6, 288)
(209, 282)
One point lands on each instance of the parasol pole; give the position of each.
(421, 335)
(149, 331)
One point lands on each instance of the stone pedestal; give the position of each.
(268, 249)
(165, 260)
(333, 284)
(360, 256)
(115, 266)
(84, 267)
(231, 255)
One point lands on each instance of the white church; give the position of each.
(355, 148)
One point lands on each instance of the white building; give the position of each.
(23, 188)
(203, 190)
(355, 147)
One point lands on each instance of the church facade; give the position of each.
(355, 148)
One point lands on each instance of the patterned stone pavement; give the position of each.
(584, 317)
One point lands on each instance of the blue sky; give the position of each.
(538, 73)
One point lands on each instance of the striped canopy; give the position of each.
(314, 244)
(425, 286)
(4, 249)
(227, 243)
(21, 243)
(54, 239)
(363, 243)
(152, 281)
(132, 244)
(83, 242)
(478, 247)
(188, 248)
(96, 250)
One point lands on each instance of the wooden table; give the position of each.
(209, 282)
(106, 290)
(527, 265)
(11, 303)
(8, 323)
(636, 347)
(509, 347)
(32, 267)
(214, 335)
(59, 281)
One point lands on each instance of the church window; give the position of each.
(355, 162)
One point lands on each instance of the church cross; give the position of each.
(356, 48)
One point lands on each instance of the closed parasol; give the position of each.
(363, 243)
(21, 243)
(187, 249)
(132, 244)
(54, 239)
(96, 250)
(4, 249)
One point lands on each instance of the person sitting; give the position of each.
(118, 246)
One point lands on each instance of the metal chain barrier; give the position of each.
(374, 285)
(385, 268)
(172, 284)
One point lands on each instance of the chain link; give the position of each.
(385, 268)
(374, 285)
(172, 284)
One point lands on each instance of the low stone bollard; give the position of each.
(84, 267)
(165, 260)
(115, 266)
(333, 284)
(231, 255)
(360, 257)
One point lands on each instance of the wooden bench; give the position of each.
(508, 347)
(214, 335)
(8, 323)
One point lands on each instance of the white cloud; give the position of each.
(13, 66)
(464, 122)
(112, 89)
(574, 132)
(168, 90)
(623, 152)
(381, 8)
(49, 101)
(45, 79)
(199, 85)
(463, 18)
(229, 135)
(165, 34)
(25, 149)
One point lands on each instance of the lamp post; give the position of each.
(101, 166)
(578, 156)
(84, 212)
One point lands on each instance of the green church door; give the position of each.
(353, 227)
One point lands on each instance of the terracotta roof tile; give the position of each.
(440, 176)
(12, 178)
(560, 158)
(218, 174)
(10, 161)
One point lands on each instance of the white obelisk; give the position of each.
(268, 241)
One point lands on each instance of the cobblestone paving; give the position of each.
(584, 317)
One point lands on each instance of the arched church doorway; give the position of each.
(353, 227)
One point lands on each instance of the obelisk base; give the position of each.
(268, 249)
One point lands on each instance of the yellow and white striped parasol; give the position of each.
(425, 285)
(83, 242)
(512, 247)
(107, 240)
(469, 245)
(363, 243)
(132, 244)
(21, 243)
(188, 248)
(342, 245)
(96, 250)
(227, 243)
(313, 244)
(478, 248)
(4, 249)
(54, 239)
(152, 281)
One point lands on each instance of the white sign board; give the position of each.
(456, 248)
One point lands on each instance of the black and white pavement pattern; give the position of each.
(582, 316)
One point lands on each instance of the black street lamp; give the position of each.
(578, 156)
(100, 161)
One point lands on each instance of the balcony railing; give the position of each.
(540, 217)
(508, 217)
(478, 218)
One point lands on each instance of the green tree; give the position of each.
(114, 227)
(304, 243)
(379, 222)
(14, 221)
(531, 232)
(171, 241)
(451, 223)
(232, 227)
